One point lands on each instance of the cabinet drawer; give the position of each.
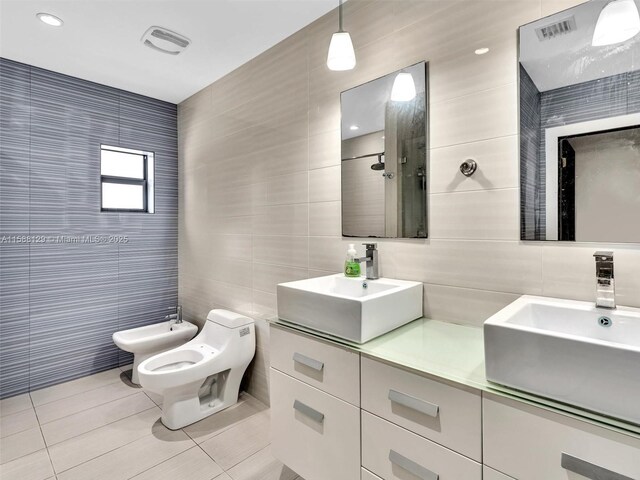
(367, 475)
(491, 474)
(392, 452)
(530, 443)
(332, 369)
(313, 433)
(448, 415)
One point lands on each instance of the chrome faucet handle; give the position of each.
(370, 246)
(605, 282)
(605, 256)
(604, 264)
(175, 316)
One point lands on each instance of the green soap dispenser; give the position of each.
(351, 266)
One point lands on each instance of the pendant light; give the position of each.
(618, 21)
(341, 54)
(404, 88)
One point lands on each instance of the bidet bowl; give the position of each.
(155, 338)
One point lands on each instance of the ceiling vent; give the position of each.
(557, 29)
(165, 41)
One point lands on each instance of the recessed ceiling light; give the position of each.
(481, 51)
(354, 127)
(50, 19)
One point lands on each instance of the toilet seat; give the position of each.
(182, 365)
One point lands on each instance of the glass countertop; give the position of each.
(455, 353)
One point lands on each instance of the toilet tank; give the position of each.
(231, 332)
(228, 319)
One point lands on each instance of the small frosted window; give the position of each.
(122, 164)
(127, 180)
(122, 196)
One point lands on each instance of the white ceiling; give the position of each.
(100, 39)
(570, 58)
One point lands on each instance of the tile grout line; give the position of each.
(89, 408)
(77, 393)
(107, 452)
(103, 425)
(166, 459)
(46, 448)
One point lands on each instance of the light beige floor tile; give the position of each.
(35, 466)
(213, 425)
(239, 442)
(68, 389)
(193, 464)
(18, 422)
(155, 398)
(133, 458)
(83, 401)
(82, 448)
(16, 404)
(262, 466)
(20, 444)
(87, 420)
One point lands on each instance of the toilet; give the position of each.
(203, 376)
(145, 342)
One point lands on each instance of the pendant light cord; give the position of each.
(340, 16)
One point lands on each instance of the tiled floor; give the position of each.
(104, 427)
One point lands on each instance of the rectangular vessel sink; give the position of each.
(569, 351)
(355, 309)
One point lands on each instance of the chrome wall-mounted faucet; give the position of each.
(175, 316)
(605, 281)
(371, 259)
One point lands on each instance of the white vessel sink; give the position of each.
(569, 351)
(355, 309)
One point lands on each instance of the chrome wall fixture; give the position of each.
(469, 167)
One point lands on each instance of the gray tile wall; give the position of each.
(530, 206)
(61, 302)
(606, 97)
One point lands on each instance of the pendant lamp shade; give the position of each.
(341, 54)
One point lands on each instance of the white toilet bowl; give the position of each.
(202, 376)
(145, 342)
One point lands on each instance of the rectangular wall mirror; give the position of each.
(384, 156)
(580, 126)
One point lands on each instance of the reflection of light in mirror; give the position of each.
(619, 21)
(354, 127)
(481, 51)
(404, 88)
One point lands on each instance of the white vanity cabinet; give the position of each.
(315, 413)
(448, 415)
(341, 415)
(530, 443)
(332, 369)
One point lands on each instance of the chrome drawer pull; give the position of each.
(589, 470)
(306, 410)
(411, 466)
(309, 362)
(414, 403)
